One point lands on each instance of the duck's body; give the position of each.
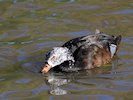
(85, 52)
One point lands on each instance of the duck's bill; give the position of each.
(46, 68)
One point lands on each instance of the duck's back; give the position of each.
(75, 43)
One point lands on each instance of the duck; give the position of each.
(83, 53)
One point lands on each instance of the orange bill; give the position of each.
(46, 68)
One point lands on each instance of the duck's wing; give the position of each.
(75, 43)
(92, 55)
(95, 54)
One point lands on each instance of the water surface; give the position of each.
(29, 28)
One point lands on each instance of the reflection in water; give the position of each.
(19, 94)
(55, 80)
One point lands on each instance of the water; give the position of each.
(29, 28)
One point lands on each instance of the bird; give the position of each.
(83, 53)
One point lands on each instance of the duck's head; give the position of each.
(55, 57)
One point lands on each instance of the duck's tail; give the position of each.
(118, 40)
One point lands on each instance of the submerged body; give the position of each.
(85, 52)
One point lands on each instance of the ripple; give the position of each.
(56, 34)
(2, 79)
(2, 19)
(9, 43)
(23, 81)
(7, 56)
(64, 1)
(125, 69)
(19, 94)
(33, 67)
(116, 75)
(35, 47)
(125, 53)
(75, 87)
(16, 33)
(3, 36)
(70, 34)
(84, 97)
(123, 12)
(75, 7)
(26, 42)
(119, 12)
(79, 33)
(128, 83)
(56, 15)
(125, 61)
(27, 64)
(48, 44)
(27, 6)
(69, 22)
(128, 40)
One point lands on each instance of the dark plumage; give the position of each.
(88, 52)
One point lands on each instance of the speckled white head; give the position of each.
(58, 55)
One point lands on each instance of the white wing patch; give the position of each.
(112, 49)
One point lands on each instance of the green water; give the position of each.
(29, 28)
